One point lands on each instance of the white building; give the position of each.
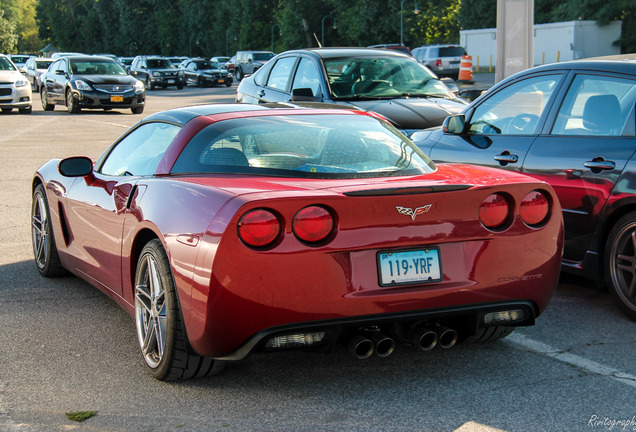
(553, 42)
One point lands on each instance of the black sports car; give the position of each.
(90, 82)
(387, 82)
(204, 73)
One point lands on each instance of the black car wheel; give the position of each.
(620, 263)
(158, 321)
(239, 74)
(71, 103)
(149, 84)
(7, 110)
(26, 110)
(46, 106)
(137, 110)
(180, 85)
(228, 83)
(44, 248)
(200, 82)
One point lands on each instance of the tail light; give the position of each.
(313, 224)
(535, 208)
(438, 63)
(259, 228)
(494, 211)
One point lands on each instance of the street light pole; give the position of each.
(280, 33)
(415, 11)
(323, 27)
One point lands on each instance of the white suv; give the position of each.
(444, 60)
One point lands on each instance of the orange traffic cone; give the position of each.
(466, 69)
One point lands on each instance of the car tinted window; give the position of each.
(139, 152)
(452, 51)
(381, 77)
(279, 76)
(307, 76)
(317, 146)
(159, 64)
(514, 110)
(263, 56)
(42, 64)
(596, 105)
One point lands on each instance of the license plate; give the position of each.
(116, 98)
(454, 63)
(170, 81)
(221, 81)
(409, 267)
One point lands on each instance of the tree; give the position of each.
(8, 38)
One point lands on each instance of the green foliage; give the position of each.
(80, 416)
(8, 38)
(222, 27)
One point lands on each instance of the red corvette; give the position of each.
(230, 229)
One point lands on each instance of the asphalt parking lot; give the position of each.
(66, 347)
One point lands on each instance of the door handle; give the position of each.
(599, 164)
(261, 93)
(506, 158)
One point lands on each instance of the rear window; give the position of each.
(309, 146)
(452, 51)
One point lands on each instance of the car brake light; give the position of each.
(534, 208)
(494, 211)
(313, 224)
(438, 63)
(259, 228)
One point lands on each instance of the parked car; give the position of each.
(384, 81)
(204, 73)
(248, 62)
(230, 65)
(396, 47)
(19, 60)
(90, 82)
(444, 60)
(572, 125)
(36, 66)
(270, 249)
(60, 54)
(127, 62)
(156, 71)
(221, 61)
(15, 91)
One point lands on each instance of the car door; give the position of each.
(501, 129)
(190, 75)
(276, 85)
(588, 140)
(97, 208)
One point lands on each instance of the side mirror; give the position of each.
(454, 124)
(59, 72)
(78, 166)
(304, 94)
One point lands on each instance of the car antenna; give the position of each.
(317, 41)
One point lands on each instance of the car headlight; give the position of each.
(156, 74)
(81, 85)
(139, 86)
(21, 83)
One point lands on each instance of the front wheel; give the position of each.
(44, 248)
(137, 110)
(158, 321)
(46, 106)
(620, 264)
(72, 104)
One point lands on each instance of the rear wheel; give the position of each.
(158, 321)
(44, 248)
(26, 110)
(239, 74)
(620, 264)
(137, 110)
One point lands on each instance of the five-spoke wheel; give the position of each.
(620, 263)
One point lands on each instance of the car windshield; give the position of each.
(160, 64)
(6, 65)
(382, 77)
(204, 65)
(303, 146)
(451, 51)
(43, 64)
(96, 67)
(263, 56)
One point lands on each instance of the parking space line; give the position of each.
(571, 359)
(110, 123)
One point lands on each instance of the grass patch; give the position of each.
(80, 416)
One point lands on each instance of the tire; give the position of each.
(489, 334)
(149, 84)
(46, 106)
(620, 264)
(7, 110)
(228, 84)
(27, 110)
(45, 252)
(200, 82)
(158, 321)
(180, 85)
(71, 103)
(238, 73)
(137, 110)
